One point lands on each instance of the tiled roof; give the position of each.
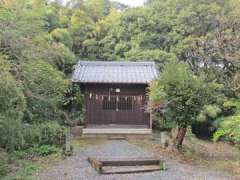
(114, 72)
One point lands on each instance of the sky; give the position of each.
(131, 3)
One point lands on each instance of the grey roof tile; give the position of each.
(114, 72)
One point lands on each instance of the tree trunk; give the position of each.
(180, 137)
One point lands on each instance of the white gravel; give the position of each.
(77, 167)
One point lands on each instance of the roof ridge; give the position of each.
(117, 63)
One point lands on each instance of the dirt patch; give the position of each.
(215, 156)
(220, 156)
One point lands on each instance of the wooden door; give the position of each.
(116, 109)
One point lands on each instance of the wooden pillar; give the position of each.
(150, 123)
(85, 107)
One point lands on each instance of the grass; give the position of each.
(79, 142)
(24, 169)
(27, 169)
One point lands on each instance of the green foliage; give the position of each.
(5, 14)
(12, 106)
(43, 100)
(161, 123)
(37, 150)
(43, 134)
(73, 104)
(40, 42)
(82, 28)
(51, 17)
(209, 111)
(62, 36)
(25, 170)
(4, 165)
(43, 150)
(96, 9)
(184, 94)
(229, 126)
(52, 133)
(230, 107)
(150, 55)
(62, 58)
(229, 130)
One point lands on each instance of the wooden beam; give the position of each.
(130, 169)
(120, 165)
(130, 161)
(97, 165)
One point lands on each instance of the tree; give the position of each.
(63, 36)
(12, 107)
(97, 9)
(17, 34)
(210, 39)
(61, 58)
(35, 52)
(44, 89)
(82, 28)
(184, 95)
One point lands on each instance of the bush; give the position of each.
(44, 88)
(229, 108)
(43, 150)
(229, 127)
(44, 134)
(203, 127)
(4, 164)
(62, 36)
(12, 107)
(52, 133)
(162, 124)
(73, 105)
(62, 58)
(229, 130)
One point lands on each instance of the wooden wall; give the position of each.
(95, 114)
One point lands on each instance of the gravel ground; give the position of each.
(77, 167)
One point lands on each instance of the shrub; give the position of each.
(43, 150)
(43, 134)
(161, 123)
(62, 58)
(73, 105)
(62, 36)
(4, 164)
(52, 133)
(209, 112)
(229, 127)
(203, 127)
(12, 106)
(229, 108)
(229, 130)
(44, 88)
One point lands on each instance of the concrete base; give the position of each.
(117, 131)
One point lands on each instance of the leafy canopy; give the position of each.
(183, 93)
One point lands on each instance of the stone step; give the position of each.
(116, 137)
(118, 131)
